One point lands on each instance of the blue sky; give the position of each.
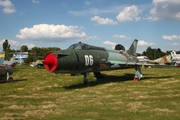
(105, 23)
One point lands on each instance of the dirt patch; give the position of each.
(163, 110)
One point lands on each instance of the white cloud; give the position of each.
(103, 21)
(165, 10)
(97, 11)
(93, 11)
(13, 44)
(8, 6)
(176, 44)
(109, 43)
(89, 38)
(51, 32)
(88, 2)
(144, 43)
(172, 37)
(35, 1)
(16, 45)
(129, 14)
(121, 37)
(29, 45)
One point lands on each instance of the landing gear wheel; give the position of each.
(86, 82)
(98, 75)
(10, 79)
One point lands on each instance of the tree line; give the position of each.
(153, 53)
(37, 53)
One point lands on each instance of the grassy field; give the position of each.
(38, 94)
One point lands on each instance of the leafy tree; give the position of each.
(24, 48)
(7, 50)
(149, 53)
(6, 45)
(8, 54)
(37, 53)
(153, 53)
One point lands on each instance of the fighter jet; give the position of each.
(6, 69)
(175, 58)
(37, 63)
(11, 62)
(81, 58)
(165, 60)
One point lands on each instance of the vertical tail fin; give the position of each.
(173, 54)
(133, 47)
(13, 58)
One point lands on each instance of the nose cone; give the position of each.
(50, 62)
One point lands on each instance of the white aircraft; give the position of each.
(143, 58)
(175, 58)
(11, 62)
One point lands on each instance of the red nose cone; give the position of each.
(50, 62)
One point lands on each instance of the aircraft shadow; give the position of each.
(4, 81)
(20, 80)
(17, 69)
(111, 78)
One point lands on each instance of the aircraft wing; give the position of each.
(119, 64)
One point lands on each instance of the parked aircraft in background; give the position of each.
(175, 58)
(143, 58)
(11, 62)
(6, 69)
(161, 61)
(37, 63)
(80, 59)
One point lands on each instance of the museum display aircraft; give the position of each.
(6, 69)
(37, 63)
(81, 58)
(165, 60)
(175, 58)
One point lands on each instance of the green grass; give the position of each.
(38, 94)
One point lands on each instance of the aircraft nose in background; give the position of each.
(50, 62)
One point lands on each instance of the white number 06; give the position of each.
(88, 60)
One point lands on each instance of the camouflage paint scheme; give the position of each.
(82, 58)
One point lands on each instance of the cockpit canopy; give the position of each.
(82, 46)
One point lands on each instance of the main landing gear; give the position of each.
(138, 74)
(85, 80)
(6, 78)
(97, 74)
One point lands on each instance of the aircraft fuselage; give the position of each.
(81, 61)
